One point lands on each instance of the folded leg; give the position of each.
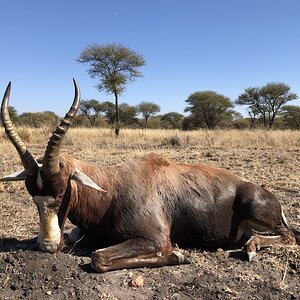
(135, 253)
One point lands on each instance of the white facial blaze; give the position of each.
(49, 235)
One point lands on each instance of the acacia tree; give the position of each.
(174, 118)
(253, 113)
(91, 109)
(266, 101)
(128, 114)
(109, 112)
(208, 109)
(291, 115)
(148, 109)
(115, 66)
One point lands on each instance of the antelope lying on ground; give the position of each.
(143, 207)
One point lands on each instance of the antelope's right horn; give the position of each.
(51, 157)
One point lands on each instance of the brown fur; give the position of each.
(152, 202)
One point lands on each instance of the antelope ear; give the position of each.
(17, 176)
(86, 180)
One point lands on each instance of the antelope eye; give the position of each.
(61, 164)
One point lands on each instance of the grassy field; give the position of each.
(269, 158)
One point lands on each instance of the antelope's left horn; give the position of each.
(27, 159)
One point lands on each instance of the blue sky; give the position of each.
(188, 45)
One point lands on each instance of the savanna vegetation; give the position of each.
(212, 131)
(268, 108)
(268, 157)
(114, 66)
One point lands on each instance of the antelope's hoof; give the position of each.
(251, 255)
(98, 263)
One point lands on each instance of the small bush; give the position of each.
(173, 141)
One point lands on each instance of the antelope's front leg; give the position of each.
(135, 253)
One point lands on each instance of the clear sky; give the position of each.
(188, 45)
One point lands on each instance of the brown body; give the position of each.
(151, 192)
(145, 206)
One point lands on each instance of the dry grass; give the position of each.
(144, 140)
(218, 138)
(264, 156)
(270, 158)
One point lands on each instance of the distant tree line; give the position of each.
(267, 107)
(37, 119)
(114, 66)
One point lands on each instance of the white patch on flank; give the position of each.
(49, 235)
(180, 256)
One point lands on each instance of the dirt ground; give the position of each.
(26, 273)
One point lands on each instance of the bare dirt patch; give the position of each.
(273, 161)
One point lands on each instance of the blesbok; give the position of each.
(143, 207)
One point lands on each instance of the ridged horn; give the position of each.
(27, 159)
(51, 157)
